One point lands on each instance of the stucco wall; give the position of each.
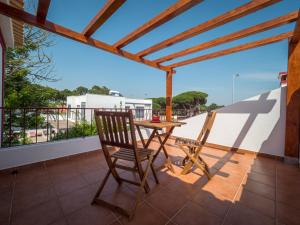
(27, 154)
(256, 124)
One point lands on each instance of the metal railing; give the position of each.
(22, 126)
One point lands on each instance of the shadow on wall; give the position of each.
(256, 124)
(266, 130)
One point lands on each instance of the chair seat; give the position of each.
(128, 154)
(180, 140)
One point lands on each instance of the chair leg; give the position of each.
(110, 171)
(142, 186)
(204, 163)
(194, 161)
(115, 173)
(154, 173)
(101, 187)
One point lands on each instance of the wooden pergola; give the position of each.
(111, 6)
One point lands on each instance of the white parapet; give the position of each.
(256, 124)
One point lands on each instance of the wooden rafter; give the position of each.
(288, 18)
(239, 48)
(171, 12)
(42, 10)
(210, 24)
(110, 7)
(60, 30)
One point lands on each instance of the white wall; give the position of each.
(256, 124)
(22, 155)
(27, 154)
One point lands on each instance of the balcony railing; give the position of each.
(22, 126)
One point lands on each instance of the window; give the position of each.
(139, 112)
(82, 111)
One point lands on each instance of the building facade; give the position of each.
(81, 107)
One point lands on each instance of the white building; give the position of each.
(80, 107)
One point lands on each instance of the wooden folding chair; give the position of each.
(192, 148)
(117, 129)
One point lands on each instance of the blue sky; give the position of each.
(77, 64)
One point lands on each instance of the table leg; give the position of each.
(168, 162)
(141, 136)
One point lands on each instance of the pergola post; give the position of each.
(292, 136)
(169, 79)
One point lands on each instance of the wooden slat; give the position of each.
(239, 48)
(119, 124)
(292, 131)
(173, 11)
(110, 130)
(42, 10)
(115, 129)
(288, 18)
(210, 24)
(105, 127)
(110, 7)
(60, 30)
(125, 130)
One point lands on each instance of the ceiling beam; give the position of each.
(229, 16)
(279, 21)
(170, 13)
(239, 48)
(42, 9)
(110, 7)
(30, 19)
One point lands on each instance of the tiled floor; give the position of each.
(244, 190)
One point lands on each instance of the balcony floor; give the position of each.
(244, 190)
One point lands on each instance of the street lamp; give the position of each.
(233, 85)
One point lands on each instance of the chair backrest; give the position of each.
(204, 133)
(116, 129)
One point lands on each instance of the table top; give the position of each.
(160, 125)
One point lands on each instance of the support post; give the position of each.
(169, 79)
(292, 135)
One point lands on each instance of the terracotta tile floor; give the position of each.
(244, 190)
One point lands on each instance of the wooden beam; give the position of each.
(169, 81)
(42, 10)
(110, 7)
(28, 18)
(292, 130)
(210, 24)
(171, 12)
(239, 48)
(288, 18)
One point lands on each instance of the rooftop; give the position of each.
(245, 189)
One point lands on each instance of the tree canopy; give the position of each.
(193, 101)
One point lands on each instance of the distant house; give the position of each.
(80, 107)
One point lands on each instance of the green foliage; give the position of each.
(99, 90)
(214, 106)
(80, 90)
(81, 129)
(189, 100)
(159, 103)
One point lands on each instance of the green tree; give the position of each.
(159, 103)
(214, 106)
(99, 90)
(25, 66)
(80, 90)
(189, 100)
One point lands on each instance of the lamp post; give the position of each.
(233, 85)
